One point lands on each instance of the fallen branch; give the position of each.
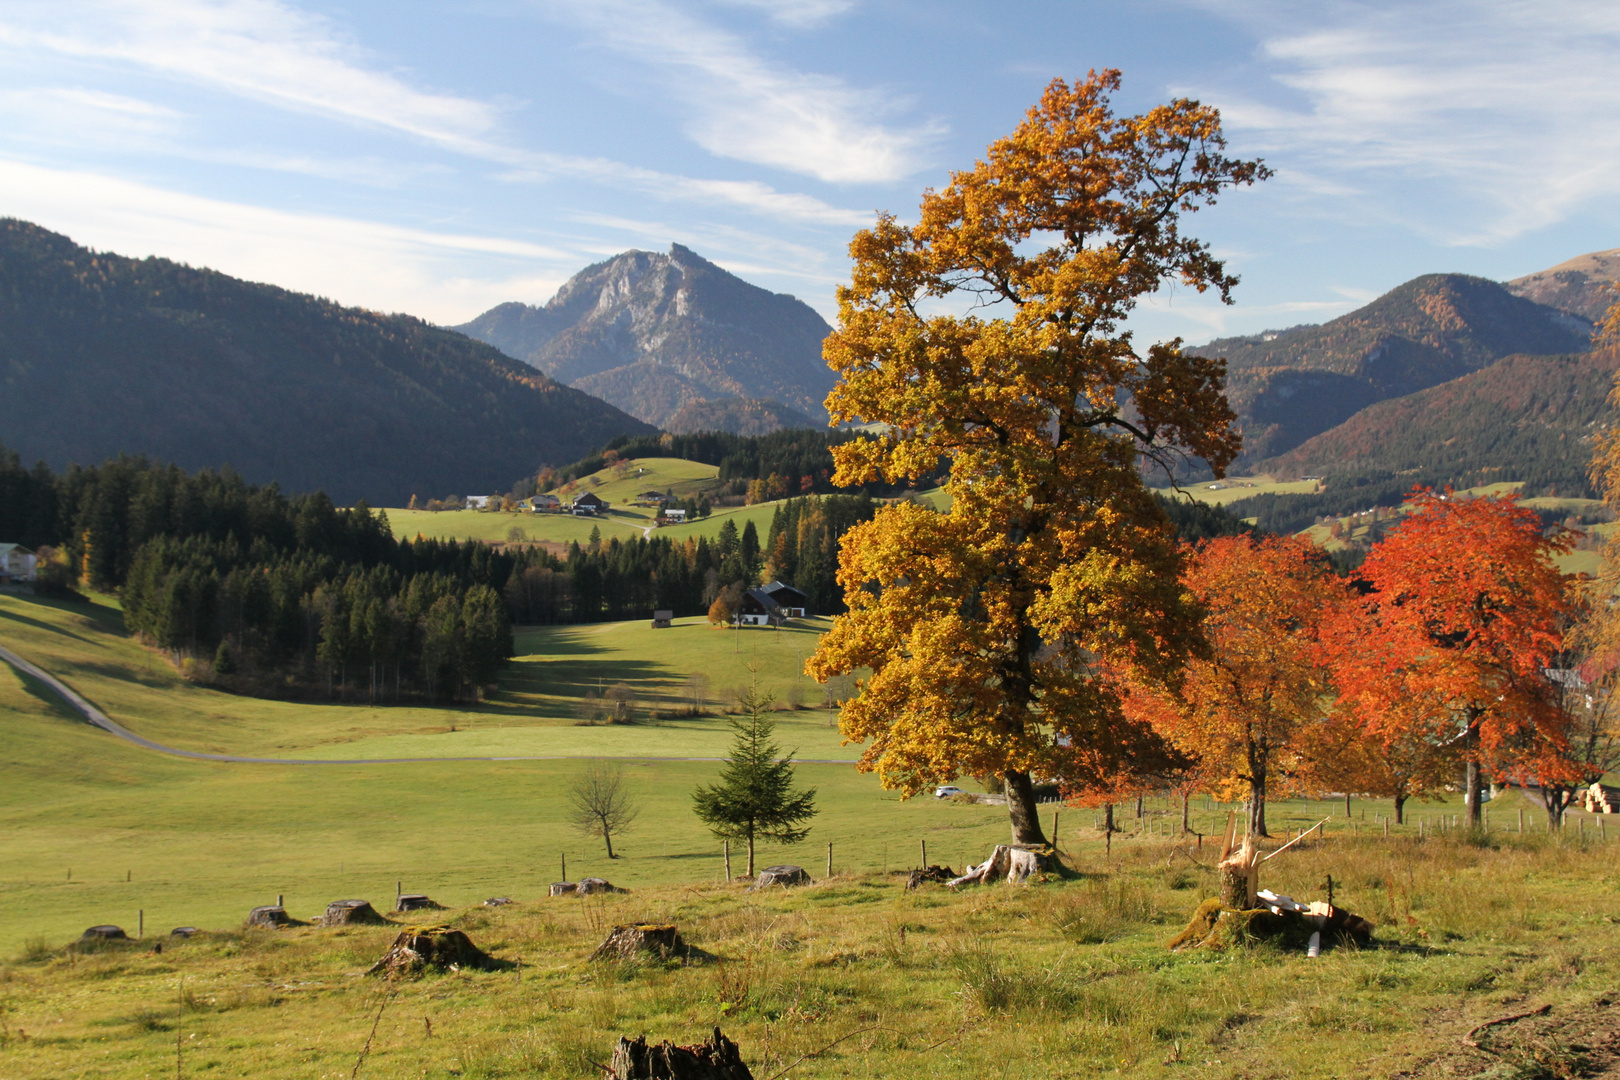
(1469, 1040)
(824, 1049)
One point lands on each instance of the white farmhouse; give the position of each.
(16, 563)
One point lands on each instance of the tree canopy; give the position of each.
(983, 627)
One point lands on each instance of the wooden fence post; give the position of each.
(829, 858)
(728, 861)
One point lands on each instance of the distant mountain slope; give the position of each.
(1298, 383)
(652, 332)
(740, 416)
(102, 355)
(1580, 286)
(1527, 418)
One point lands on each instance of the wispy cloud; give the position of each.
(1501, 115)
(797, 13)
(444, 276)
(270, 52)
(740, 106)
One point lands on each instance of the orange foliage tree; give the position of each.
(985, 627)
(1450, 647)
(1249, 709)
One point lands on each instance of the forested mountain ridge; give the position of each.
(653, 332)
(1291, 385)
(1529, 418)
(102, 355)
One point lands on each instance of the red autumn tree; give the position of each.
(1450, 646)
(1247, 707)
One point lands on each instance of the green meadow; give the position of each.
(1069, 977)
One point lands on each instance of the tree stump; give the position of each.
(785, 876)
(716, 1058)
(660, 939)
(351, 913)
(270, 917)
(564, 888)
(937, 874)
(104, 933)
(418, 948)
(1016, 863)
(415, 902)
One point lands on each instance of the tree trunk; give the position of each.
(1257, 805)
(1108, 818)
(1139, 798)
(750, 854)
(1026, 820)
(1400, 809)
(607, 838)
(1186, 797)
(1347, 805)
(1473, 792)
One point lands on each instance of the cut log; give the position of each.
(662, 940)
(498, 901)
(785, 876)
(584, 887)
(937, 874)
(270, 917)
(416, 902)
(351, 913)
(716, 1058)
(418, 948)
(106, 932)
(184, 931)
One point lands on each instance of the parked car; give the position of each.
(947, 791)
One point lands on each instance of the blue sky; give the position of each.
(440, 158)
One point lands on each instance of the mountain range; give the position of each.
(652, 333)
(102, 355)
(1288, 386)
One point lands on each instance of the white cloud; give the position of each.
(258, 49)
(444, 277)
(797, 13)
(1499, 115)
(741, 107)
(273, 53)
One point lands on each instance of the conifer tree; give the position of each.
(755, 798)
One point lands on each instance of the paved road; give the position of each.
(101, 720)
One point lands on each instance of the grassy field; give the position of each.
(1067, 978)
(1233, 488)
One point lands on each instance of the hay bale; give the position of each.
(351, 913)
(415, 902)
(270, 916)
(498, 901)
(662, 940)
(418, 948)
(716, 1058)
(105, 932)
(785, 876)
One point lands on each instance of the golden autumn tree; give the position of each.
(1250, 708)
(988, 336)
(1452, 643)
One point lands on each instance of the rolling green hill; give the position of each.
(103, 355)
